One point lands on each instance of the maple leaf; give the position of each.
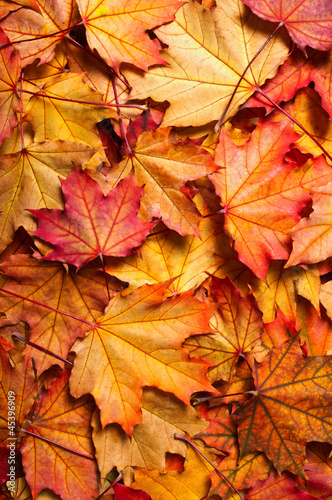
(166, 254)
(163, 165)
(312, 235)
(138, 343)
(117, 30)
(291, 406)
(93, 225)
(59, 441)
(38, 166)
(162, 416)
(191, 484)
(307, 23)
(261, 194)
(68, 295)
(236, 326)
(53, 18)
(198, 91)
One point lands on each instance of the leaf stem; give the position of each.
(37, 37)
(89, 457)
(87, 103)
(21, 113)
(105, 276)
(40, 348)
(120, 476)
(178, 436)
(218, 125)
(48, 307)
(121, 121)
(197, 401)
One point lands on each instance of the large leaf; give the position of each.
(207, 52)
(261, 194)
(93, 225)
(291, 406)
(138, 343)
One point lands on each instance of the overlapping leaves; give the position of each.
(197, 227)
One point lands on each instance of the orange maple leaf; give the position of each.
(69, 295)
(138, 343)
(117, 30)
(262, 195)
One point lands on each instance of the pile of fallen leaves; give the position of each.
(166, 239)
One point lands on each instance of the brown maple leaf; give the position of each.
(291, 406)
